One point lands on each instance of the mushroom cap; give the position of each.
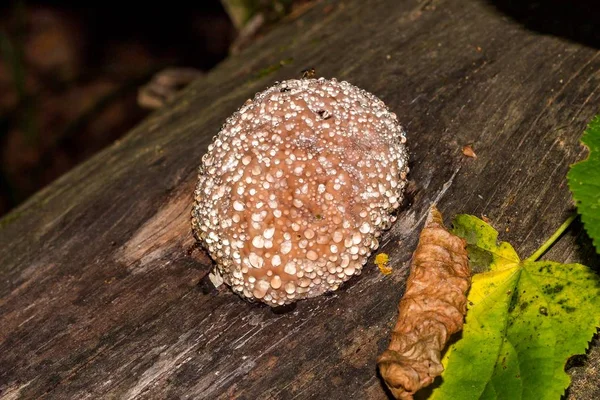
(296, 188)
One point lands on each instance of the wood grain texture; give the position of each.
(99, 294)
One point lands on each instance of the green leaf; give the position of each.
(584, 182)
(524, 320)
(482, 240)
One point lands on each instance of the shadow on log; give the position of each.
(575, 21)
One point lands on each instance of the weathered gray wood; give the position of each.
(99, 293)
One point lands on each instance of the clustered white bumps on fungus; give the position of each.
(297, 187)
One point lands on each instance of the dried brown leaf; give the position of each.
(432, 309)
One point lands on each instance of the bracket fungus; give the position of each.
(296, 188)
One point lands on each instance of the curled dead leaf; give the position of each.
(432, 309)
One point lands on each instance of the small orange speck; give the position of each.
(468, 151)
(381, 261)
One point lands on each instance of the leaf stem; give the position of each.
(552, 239)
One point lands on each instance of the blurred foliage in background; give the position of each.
(70, 71)
(242, 11)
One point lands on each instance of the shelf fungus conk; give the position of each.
(297, 187)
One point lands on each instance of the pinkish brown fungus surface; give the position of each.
(297, 187)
